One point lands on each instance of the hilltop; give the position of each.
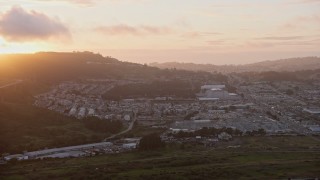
(56, 66)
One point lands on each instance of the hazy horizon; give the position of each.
(166, 60)
(198, 58)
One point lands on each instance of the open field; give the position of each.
(258, 158)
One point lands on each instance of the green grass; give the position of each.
(139, 131)
(33, 128)
(173, 162)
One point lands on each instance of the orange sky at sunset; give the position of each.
(143, 31)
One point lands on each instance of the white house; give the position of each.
(130, 146)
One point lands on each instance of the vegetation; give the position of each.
(104, 126)
(278, 76)
(231, 89)
(190, 115)
(257, 158)
(140, 131)
(151, 142)
(273, 116)
(289, 92)
(305, 76)
(43, 67)
(259, 132)
(207, 132)
(26, 127)
(174, 88)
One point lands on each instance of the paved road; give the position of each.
(11, 84)
(125, 131)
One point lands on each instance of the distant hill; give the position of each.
(291, 64)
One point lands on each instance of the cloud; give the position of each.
(79, 2)
(299, 43)
(304, 1)
(82, 2)
(90, 2)
(198, 34)
(301, 22)
(123, 29)
(85, 2)
(311, 19)
(310, 1)
(282, 38)
(20, 25)
(217, 42)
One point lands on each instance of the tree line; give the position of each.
(173, 88)
(212, 131)
(103, 126)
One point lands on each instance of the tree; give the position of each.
(190, 115)
(262, 132)
(104, 126)
(289, 92)
(151, 142)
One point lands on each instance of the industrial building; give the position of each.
(215, 92)
(48, 152)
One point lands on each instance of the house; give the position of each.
(18, 157)
(224, 136)
(127, 117)
(130, 145)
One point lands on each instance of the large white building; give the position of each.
(214, 92)
(209, 87)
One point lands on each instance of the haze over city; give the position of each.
(144, 31)
(160, 89)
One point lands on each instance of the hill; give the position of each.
(31, 127)
(24, 126)
(292, 64)
(55, 67)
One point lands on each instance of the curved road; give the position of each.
(125, 131)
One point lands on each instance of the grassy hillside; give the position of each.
(257, 158)
(26, 127)
(55, 67)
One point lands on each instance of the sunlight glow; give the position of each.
(217, 32)
(6, 48)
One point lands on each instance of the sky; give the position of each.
(144, 31)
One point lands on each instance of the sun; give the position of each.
(30, 47)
